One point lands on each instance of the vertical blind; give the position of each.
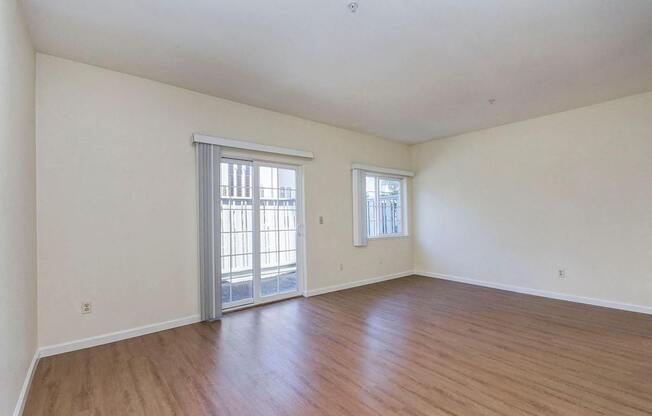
(359, 208)
(208, 170)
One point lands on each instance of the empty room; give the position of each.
(423, 207)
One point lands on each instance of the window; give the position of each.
(379, 203)
(384, 205)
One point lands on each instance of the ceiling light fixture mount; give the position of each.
(353, 6)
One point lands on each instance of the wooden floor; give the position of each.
(411, 346)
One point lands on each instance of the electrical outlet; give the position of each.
(86, 308)
(561, 273)
(321, 219)
(341, 266)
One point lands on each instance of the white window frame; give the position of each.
(404, 225)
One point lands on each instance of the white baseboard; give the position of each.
(542, 293)
(335, 288)
(115, 336)
(24, 391)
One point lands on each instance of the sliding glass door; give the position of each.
(278, 229)
(260, 211)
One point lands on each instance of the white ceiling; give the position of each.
(408, 70)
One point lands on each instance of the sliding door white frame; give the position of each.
(258, 299)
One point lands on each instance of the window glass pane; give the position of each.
(389, 187)
(241, 243)
(372, 215)
(268, 177)
(242, 285)
(287, 198)
(371, 187)
(225, 222)
(241, 220)
(226, 267)
(287, 240)
(226, 244)
(372, 225)
(269, 274)
(268, 196)
(268, 217)
(237, 278)
(384, 216)
(236, 202)
(224, 175)
(287, 276)
(268, 261)
(286, 179)
(226, 291)
(269, 284)
(389, 206)
(225, 195)
(241, 263)
(287, 219)
(287, 258)
(268, 241)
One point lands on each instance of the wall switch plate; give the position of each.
(561, 273)
(86, 308)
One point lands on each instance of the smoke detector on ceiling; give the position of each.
(353, 6)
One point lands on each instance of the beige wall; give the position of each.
(17, 206)
(511, 204)
(117, 197)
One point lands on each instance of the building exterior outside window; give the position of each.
(384, 211)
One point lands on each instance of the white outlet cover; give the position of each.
(86, 307)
